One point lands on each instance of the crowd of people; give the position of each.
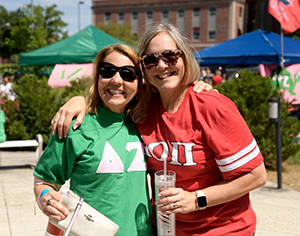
(214, 79)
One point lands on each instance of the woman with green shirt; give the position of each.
(103, 158)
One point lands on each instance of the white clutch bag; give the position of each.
(83, 219)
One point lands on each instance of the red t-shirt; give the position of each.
(205, 141)
(217, 79)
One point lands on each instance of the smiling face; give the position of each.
(115, 92)
(164, 77)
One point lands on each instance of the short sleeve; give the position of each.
(231, 140)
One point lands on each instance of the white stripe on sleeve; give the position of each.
(240, 158)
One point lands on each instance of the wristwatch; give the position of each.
(201, 200)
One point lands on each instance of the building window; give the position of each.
(196, 24)
(196, 33)
(180, 20)
(212, 35)
(165, 16)
(149, 20)
(107, 17)
(121, 18)
(134, 22)
(240, 22)
(212, 19)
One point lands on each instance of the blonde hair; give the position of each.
(192, 69)
(93, 100)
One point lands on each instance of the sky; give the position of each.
(68, 7)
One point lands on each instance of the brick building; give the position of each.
(204, 22)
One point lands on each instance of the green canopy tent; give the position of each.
(81, 47)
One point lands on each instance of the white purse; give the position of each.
(83, 219)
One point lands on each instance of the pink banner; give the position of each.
(62, 74)
(288, 81)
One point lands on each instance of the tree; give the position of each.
(295, 35)
(119, 31)
(27, 33)
(36, 105)
(251, 95)
(53, 24)
(5, 20)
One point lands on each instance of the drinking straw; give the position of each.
(165, 173)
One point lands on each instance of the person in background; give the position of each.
(2, 127)
(204, 77)
(209, 73)
(202, 136)
(6, 89)
(217, 79)
(103, 158)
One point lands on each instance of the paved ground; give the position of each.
(278, 211)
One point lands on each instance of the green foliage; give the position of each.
(20, 32)
(35, 107)
(53, 23)
(10, 68)
(4, 32)
(120, 31)
(251, 95)
(78, 88)
(295, 35)
(294, 159)
(37, 104)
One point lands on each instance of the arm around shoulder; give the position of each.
(75, 107)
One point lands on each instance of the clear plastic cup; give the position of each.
(165, 223)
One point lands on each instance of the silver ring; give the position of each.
(49, 201)
(175, 205)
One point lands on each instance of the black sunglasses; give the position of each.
(127, 73)
(169, 57)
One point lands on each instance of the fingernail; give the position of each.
(53, 133)
(59, 137)
(75, 127)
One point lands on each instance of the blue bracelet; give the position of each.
(42, 193)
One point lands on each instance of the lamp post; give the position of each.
(274, 116)
(79, 3)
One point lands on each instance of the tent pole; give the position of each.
(282, 51)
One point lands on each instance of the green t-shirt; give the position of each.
(2, 128)
(104, 159)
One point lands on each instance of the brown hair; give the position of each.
(93, 100)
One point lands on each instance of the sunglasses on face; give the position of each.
(169, 57)
(127, 73)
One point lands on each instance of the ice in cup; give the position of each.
(165, 223)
